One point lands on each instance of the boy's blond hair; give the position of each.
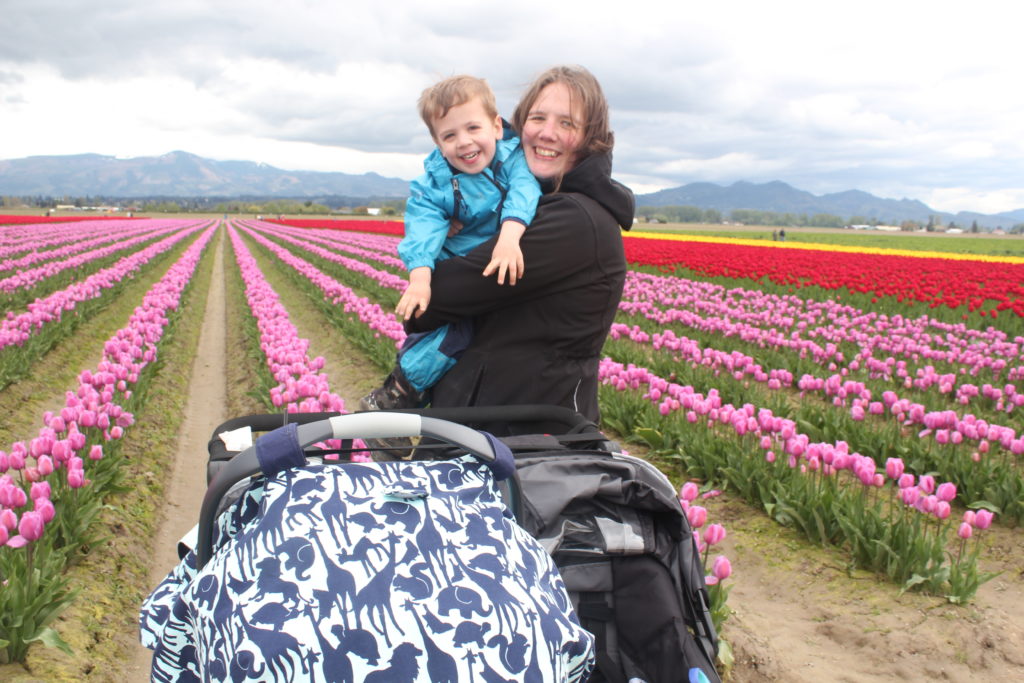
(436, 100)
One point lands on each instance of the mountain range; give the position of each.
(181, 174)
(782, 198)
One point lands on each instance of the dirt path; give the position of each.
(799, 616)
(204, 412)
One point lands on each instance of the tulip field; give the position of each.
(872, 401)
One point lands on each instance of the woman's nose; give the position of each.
(547, 131)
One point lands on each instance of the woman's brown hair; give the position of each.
(586, 92)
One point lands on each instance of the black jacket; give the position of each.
(540, 341)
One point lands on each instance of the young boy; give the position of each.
(474, 181)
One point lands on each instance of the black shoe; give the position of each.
(395, 394)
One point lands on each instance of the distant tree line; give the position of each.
(695, 214)
(242, 205)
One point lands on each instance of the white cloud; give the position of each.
(912, 98)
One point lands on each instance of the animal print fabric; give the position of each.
(395, 572)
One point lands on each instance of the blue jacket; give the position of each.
(507, 186)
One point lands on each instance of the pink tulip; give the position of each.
(8, 519)
(31, 525)
(965, 531)
(689, 491)
(942, 509)
(714, 534)
(969, 516)
(4, 536)
(894, 468)
(96, 452)
(946, 491)
(927, 483)
(983, 519)
(76, 479)
(44, 506)
(40, 489)
(721, 567)
(697, 516)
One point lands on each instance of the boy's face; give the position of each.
(466, 136)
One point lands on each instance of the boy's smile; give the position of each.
(466, 136)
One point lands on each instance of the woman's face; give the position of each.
(552, 132)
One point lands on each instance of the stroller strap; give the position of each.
(280, 450)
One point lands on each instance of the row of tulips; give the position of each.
(961, 449)
(27, 335)
(301, 387)
(10, 219)
(366, 322)
(21, 250)
(52, 488)
(16, 328)
(945, 281)
(830, 493)
(827, 332)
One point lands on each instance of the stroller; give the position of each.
(531, 557)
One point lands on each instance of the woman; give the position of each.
(540, 340)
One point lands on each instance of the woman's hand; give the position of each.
(416, 297)
(507, 256)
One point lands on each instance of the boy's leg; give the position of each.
(423, 359)
(426, 358)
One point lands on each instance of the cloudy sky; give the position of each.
(899, 98)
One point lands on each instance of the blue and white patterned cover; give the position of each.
(403, 571)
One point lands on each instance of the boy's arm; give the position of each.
(518, 210)
(416, 295)
(426, 226)
(523, 193)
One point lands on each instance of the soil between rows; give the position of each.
(798, 614)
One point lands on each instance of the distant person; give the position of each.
(775, 236)
(782, 235)
(476, 186)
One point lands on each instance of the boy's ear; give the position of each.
(499, 129)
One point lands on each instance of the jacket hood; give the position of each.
(593, 178)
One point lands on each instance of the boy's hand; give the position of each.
(416, 296)
(507, 256)
(454, 227)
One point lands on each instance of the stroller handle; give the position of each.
(349, 426)
(383, 425)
